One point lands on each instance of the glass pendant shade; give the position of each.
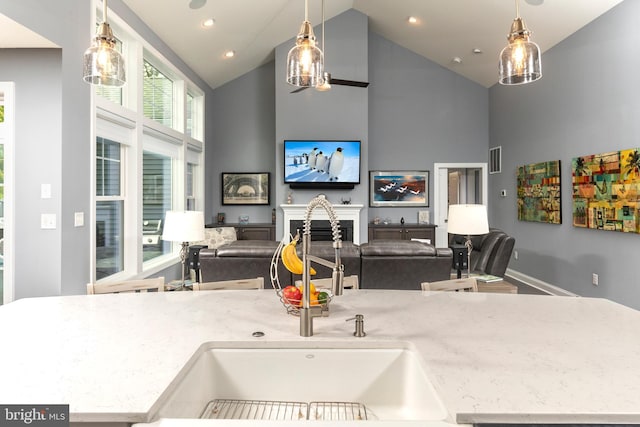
(305, 61)
(103, 64)
(520, 61)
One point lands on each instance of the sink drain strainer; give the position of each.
(228, 409)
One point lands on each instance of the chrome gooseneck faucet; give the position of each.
(308, 312)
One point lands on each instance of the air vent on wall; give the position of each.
(495, 160)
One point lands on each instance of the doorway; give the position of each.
(456, 183)
(6, 191)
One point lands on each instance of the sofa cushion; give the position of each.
(216, 237)
(242, 259)
(326, 250)
(397, 248)
(349, 255)
(248, 248)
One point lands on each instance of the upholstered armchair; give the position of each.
(491, 252)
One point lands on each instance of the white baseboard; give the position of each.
(539, 284)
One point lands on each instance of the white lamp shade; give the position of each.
(183, 226)
(468, 219)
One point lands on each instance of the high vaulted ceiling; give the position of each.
(446, 29)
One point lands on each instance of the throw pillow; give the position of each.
(216, 237)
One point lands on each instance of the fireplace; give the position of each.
(348, 215)
(321, 229)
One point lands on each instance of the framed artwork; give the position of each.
(539, 192)
(398, 188)
(245, 188)
(606, 191)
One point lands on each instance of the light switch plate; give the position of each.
(48, 221)
(78, 219)
(45, 191)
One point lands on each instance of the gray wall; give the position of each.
(53, 117)
(340, 113)
(59, 153)
(413, 114)
(38, 90)
(586, 103)
(420, 113)
(241, 133)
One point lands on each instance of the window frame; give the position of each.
(128, 121)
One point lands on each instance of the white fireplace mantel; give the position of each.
(343, 212)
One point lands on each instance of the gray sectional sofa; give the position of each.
(379, 264)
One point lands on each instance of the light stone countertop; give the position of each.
(501, 358)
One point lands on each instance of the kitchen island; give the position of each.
(492, 358)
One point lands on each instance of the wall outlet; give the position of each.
(515, 254)
(594, 279)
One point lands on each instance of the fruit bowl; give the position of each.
(293, 305)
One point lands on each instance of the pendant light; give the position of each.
(305, 62)
(520, 61)
(103, 64)
(325, 83)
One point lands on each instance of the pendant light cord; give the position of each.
(306, 10)
(104, 11)
(517, 9)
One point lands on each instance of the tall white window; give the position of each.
(109, 209)
(158, 99)
(189, 108)
(157, 179)
(190, 187)
(148, 160)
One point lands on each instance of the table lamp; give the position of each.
(468, 220)
(183, 227)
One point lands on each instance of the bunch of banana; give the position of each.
(291, 260)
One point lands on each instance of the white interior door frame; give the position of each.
(440, 182)
(7, 89)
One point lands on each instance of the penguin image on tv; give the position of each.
(321, 159)
(312, 158)
(337, 161)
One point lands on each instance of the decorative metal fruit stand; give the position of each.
(292, 306)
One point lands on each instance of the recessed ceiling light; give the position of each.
(208, 23)
(230, 54)
(457, 60)
(535, 2)
(477, 50)
(412, 20)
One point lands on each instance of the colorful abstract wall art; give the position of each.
(539, 192)
(606, 191)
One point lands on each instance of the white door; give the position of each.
(463, 180)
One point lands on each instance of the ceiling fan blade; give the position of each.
(300, 89)
(353, 83)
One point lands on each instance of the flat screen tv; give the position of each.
(321, 164)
